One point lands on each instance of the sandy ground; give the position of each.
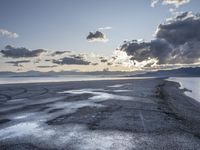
(98, 115)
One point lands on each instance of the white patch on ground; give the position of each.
(22, 129)
(81, 91)
(101, 95)
(118, 85)
(71, 107)
(98, 95)
(121, 90)
(23, 116)
(64, 136)
(16, 100)
(48, 100)
(104, 140)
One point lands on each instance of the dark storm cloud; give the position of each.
(176, 41)
(184, 28)
(97, 36)
(14, 52)
(159, 49)
(18, 63)
(71, 61)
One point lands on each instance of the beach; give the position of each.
(125, 114)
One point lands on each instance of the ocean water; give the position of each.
(190, 83)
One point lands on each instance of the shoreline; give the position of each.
(185, 108)
(38, 80)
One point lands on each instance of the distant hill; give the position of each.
(181, 72)
(63, 73)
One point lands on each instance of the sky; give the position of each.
(90, 31)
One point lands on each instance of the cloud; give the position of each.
(6, 33)
(36, 61)
(143, 51)
(177, 41)
(71, 61)
(104, 60)
(47, 66)
(181, 29)
(18, 63)
(154, 2)
(80, 56)
(97, 37)
(176, 3)
(59, 53)
(94, 64)
(105, 28)
(14, 52)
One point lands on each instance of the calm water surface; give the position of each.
(192, 84)
(15, 80)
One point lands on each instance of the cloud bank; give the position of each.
(177, 41)
(97, 37)
(18, 63)
(56, 53)
(14, 52)
(52, 66)
(71, 61)
(6, 33)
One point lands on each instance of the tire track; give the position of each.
(143, 122)
(44, 91)
(6, 96)
(10, 97)
(20, 93)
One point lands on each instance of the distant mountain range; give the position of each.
(62, 73)
(181, 72)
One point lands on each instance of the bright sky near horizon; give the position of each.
(90, 29)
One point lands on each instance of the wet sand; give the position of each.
(88, 115)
